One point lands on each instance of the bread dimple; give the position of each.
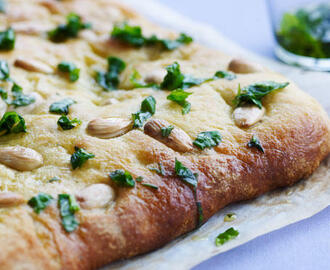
(295, 133)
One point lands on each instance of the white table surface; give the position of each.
(304, 245)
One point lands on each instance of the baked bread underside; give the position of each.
(294, 133)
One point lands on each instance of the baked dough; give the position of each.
(120, 222)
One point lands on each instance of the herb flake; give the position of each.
(4, 70)
(255, 142)
(147, 109)
(122, 178)
(185, 174)
(255, 92)
(40, 202)
(61, 106)
(66, 124)
(150, 185)
(69, 68)
(224, 237)
(207, 139)
(68, 207)
(166, 131)
(79, 157)
(7, 40)
(179, 96)
(12, 122)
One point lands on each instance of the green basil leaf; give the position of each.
(254, 142)
(20, 99)
(61, 106)
(7, 40)
(179, 96)
(133, 35)
(4, 70)
(207, 139)
(54, 179)
(255, 92)
(149, 185)
(200, 214)
(185, 174)
(224, 75)
(148, 108)
(110, 80)
(71, 29)
(122, 178)
(40, 202)
(12, 122)
(160, 170)
(70, 68)
(139, 179)
(224, 237)
(66, 124)
(79, 157)
(166, 131)
(68, 207)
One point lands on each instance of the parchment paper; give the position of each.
(254, 218)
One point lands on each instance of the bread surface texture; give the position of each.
(117, 222)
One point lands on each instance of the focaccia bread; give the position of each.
(117, 136)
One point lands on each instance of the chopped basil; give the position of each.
(174, 79)
(136, 81)
(69, 30)
(7, 40)
(139, 179)
(66, 124)
(229, 217)
(224, 237)
(20, 99)
(3, 5)
(166, 131)
(12, 122)
(179, 96)
(207, 139)
(122, 178)
(68, 207)
(40, 202)
(185, 174)
(200, 214)
(224, 75)
(149, 185)
(3, 94)
(133, 35)
(70, 68)
(148, 108)
(110, 80)
(4, 70)
(160, 170)
(61, 106)
(54, 179)
(255, 92)
(254, 142)
(79, 157)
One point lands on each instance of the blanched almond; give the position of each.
(109, 127)
(8, 199)
(95, 196)
(30, 28)
(33, 65)
(238, 65)
(248, 115)
(155, 76)
(178, 140)
(109, 101)
(20, 158)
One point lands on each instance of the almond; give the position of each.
(178, 140)
(95, 196)
(248, 115)
(109, 127)
(20, 158)
(29, 28)
(53, 6)
(33, 65)
(8, 199)
(238, 65)
(109, 101)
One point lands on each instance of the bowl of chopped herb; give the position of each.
(302, 32)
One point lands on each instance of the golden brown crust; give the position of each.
(295, 133)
